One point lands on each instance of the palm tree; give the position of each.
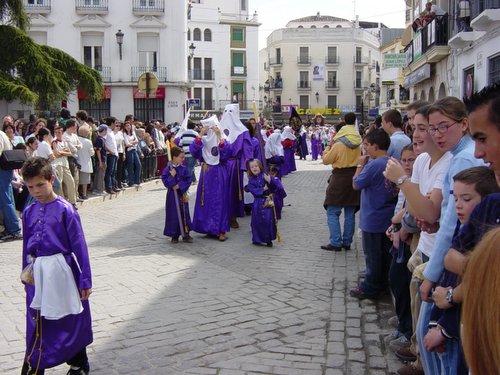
(37, 74)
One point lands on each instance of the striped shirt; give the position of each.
(187, 138)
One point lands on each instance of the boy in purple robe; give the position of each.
(211, 211)
(177, 179)
(241, 151)
(264, 223)
(58, 322)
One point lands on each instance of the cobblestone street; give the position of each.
(216, 308)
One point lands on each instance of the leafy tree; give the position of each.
(34, 73)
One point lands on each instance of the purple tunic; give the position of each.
(183, 179)
(257, 154)
(276, 162)
(242, 151)
(211, 211)
(279, 195)
(289, 162)
(263, 222)
(303, 145)
(49, 229)
(314, 148)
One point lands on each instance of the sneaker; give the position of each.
(84, 197)
(405, 354)
(331, 248)
(187, 238)
(116, 190)
(359, 293)
(109, 191)
(79, 199)
(410, 370)
(393, 336)
(5, 236)
(399, 343)
(393, 321)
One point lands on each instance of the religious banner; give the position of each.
(318, 72)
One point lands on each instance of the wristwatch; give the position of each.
(402, 179)
(449, 297)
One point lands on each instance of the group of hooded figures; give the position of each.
(241, 165)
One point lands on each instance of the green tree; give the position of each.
(37, 74)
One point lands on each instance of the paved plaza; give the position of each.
(210, 307)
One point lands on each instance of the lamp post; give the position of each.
(317, 96)
(119, 40)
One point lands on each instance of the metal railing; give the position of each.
(331, 60)
(91, 5)
(105, 72)
(360, 85)
(148, 6)
(360, 60)
(239, 71)
(436, 33)
(331, 85)
(159, 71)
(304, 85)
(303, 59)
(201, 74)
(36, 5)
(275, 61)
(479, 6)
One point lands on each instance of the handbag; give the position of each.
(27, 274)
(12, 159)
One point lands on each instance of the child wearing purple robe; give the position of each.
(211, 211)
(264, 223)
(278, 191)
(274, 153)
(58, 321)
(289, 142)
(177, 179)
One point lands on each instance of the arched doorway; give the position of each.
(442, 91)
(431, 95)
(422, 95)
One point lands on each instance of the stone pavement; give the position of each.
(216, 308)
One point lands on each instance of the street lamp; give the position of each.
(317, 97)
(119, 40)
(192, 47)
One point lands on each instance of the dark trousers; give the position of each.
(79, 360)
(399, 280)
(109, 177)
(120, 170)
(378, 260)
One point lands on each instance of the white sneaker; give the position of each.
(399, 343)
(393, 336)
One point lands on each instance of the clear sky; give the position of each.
(274, 14)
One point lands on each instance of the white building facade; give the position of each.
(322, 64)
(224, 65)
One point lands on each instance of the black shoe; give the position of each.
(117, 190)
(269, 244)
(405, 354)
(174, 240)
(5, 236)
(187, 238)
(79, 371)
(109, 191)
(359, 293)
(346, 247)
(331, 248)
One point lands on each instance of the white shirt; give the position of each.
(72, 142)
(119, 141)
(4, 142)
(437, 10)
(43, 150)
(429, 179)
(111, 143)
(85, 155)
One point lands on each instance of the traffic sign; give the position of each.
(194, 102)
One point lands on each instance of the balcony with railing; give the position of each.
(360, 60)
(360, 85)
(275, 61)
(430, 44)
(105, 72)
(239, 71)
(91, 6)
(148, 7)
(37, 6)
(485, 14)
(332, 85)
(201, 74)
(304, 60)
(331, 60)
(160, 72)
(304, 85)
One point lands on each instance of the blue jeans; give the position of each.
(337, 238)
(377, 260)
(430, 360)
(191, 162)
(109, 177)
(133, 168)
(7, 205)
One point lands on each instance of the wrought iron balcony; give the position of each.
(159, 71)
(105, 72)
(91, 6)
(331, 60)
(201, 74)
(332, 85)
(304, 60)
(37, 6)
(303, 85)
(148, 7)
